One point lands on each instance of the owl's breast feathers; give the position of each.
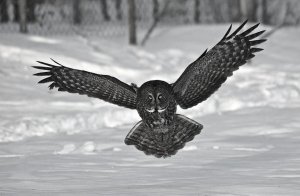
(163, 140)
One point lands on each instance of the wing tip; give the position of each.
(42, 74)
(42, 67)
(245, 21)
(254, 50)
(245, 33)
(56, 62)
(48, 64)
(255, 35)
(228, 31)
(256, 42)
(45, 80)
(238, 29)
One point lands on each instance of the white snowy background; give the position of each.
(55, 143)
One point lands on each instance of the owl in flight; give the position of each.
(162, 132)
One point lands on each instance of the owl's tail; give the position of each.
(163, 141)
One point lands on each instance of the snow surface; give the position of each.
(55, 143)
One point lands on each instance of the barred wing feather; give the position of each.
(205, 75)
(104, 87)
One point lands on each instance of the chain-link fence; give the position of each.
(66, 16)
(100, 17)
(110, 17)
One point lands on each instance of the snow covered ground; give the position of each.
(54, 143)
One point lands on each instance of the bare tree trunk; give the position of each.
(30, 10)
(235, 11)
(155, 22)
(155, 9)
(104, 10)
(197, 11)
(16, 11)
(118, 9)
(265, 17)
(3, 12)
(132, 22)
(77, 17)
(22, 14)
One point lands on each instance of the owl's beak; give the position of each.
(150, 110)
(159, 109)
(156, 109)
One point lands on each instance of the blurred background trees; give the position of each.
(103, 17)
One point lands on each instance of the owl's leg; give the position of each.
(166, 142)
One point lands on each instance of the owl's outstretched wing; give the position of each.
(104, 87)
(205, 75)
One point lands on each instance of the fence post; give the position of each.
(22, 14)
(132, 22)
(104, 9)
(4, 12)
(197, 11)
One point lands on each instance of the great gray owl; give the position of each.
(162, 132)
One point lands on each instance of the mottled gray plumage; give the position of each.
(162, 132)
(104, 87)
(163, 142)
(205, 75)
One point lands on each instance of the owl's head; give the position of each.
(155, 96)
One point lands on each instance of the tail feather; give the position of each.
(166, 141)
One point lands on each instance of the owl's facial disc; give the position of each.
(150, 103)
(155, 103)
(155, 97)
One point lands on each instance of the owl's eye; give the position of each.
(150, 97)
(159, 97)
